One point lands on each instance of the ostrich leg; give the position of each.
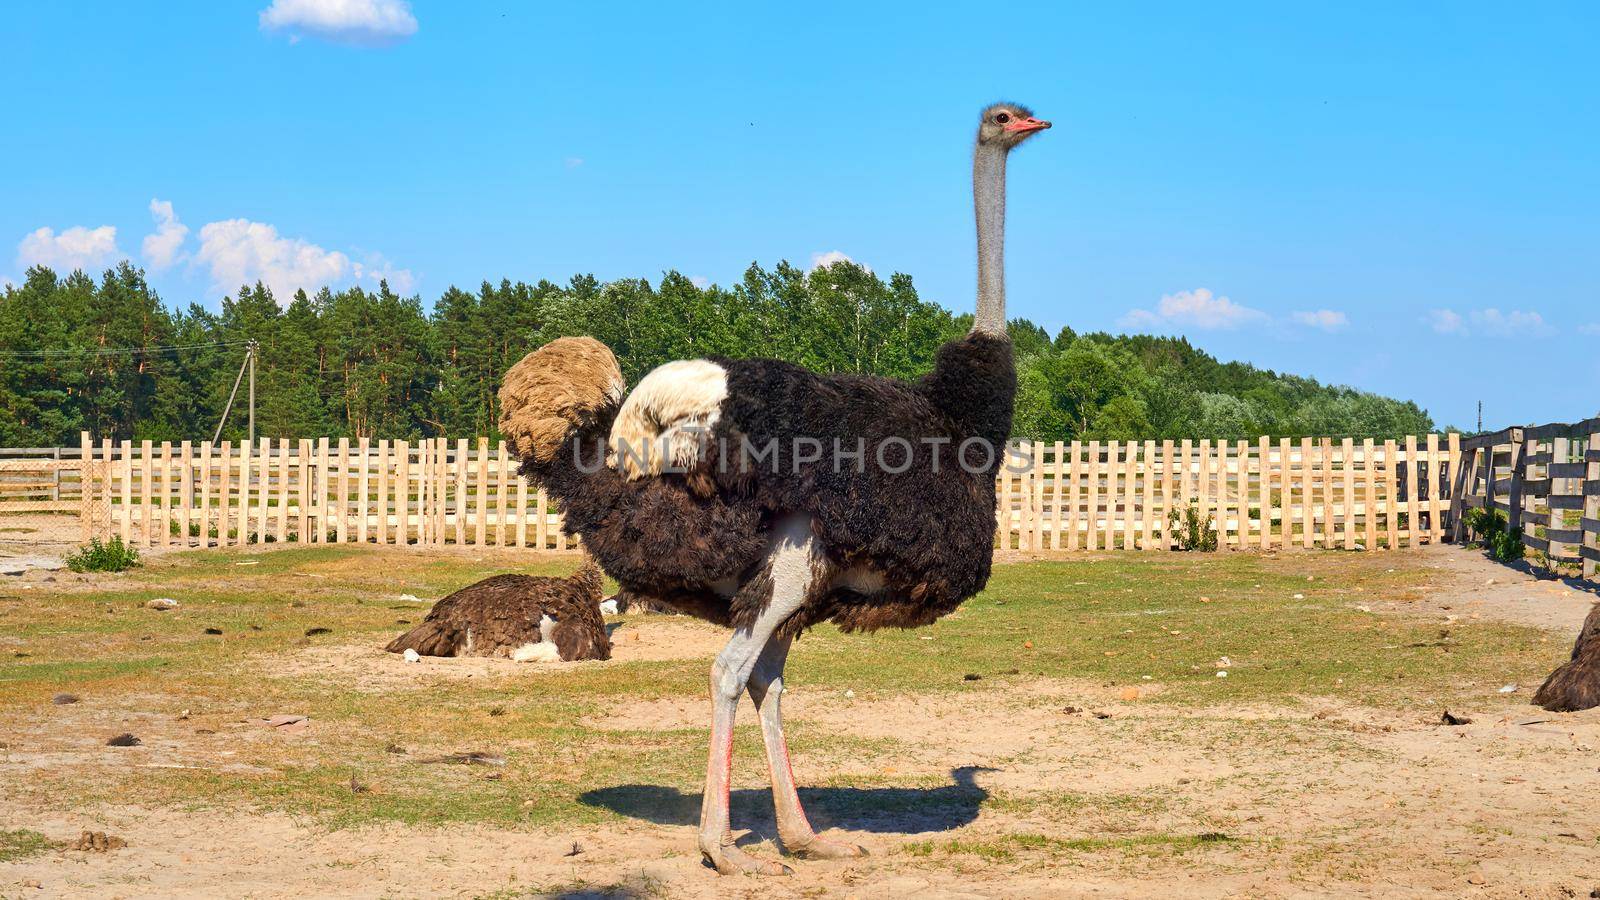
(794, 829)
(793, 562)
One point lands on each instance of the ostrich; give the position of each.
(741, 517)
(524, 617)
(1575, 684)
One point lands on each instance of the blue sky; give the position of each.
(1401, 201)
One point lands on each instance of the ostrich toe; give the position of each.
(819, 848)
(730, 860)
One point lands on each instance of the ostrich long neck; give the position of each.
(989, 203)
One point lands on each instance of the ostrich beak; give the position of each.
(1027, 125)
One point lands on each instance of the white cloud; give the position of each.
(1446, 321)
(239, 251)
(572, 162)
(1515, 323)
(162, 248)
(74, 248)
(823, 260)
(700, 281)
(1198, 308)
(1590, 328)
(360, 22)
(1490, 321)
(235, 252)
(1325, 319)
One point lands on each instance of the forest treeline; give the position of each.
(108, 356)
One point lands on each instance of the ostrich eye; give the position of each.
(1003, 118)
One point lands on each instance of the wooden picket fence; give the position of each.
(1264, 494)
(1259, 495)
(40, 479)
(1546, 479)
(419, 493)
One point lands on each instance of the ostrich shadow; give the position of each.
(874, 810)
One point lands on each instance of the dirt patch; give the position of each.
(1469, 585)
(367, 666)
(655, 638)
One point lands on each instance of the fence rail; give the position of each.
(1546, 479)
(1263, 494)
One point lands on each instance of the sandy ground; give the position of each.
(1313, 797)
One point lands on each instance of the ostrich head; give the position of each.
(1005, 125)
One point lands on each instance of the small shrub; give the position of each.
(1502, 543)
(111, 556)
(1508, 546)
(1484, 522)
(1193, 532)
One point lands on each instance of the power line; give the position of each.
(117, 351)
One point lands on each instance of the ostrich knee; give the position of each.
(726, 682)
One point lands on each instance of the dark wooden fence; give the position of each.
(1546, 479)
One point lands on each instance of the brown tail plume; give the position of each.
(1575, 684)
(431, 638)
(590, 578)
(568, 383)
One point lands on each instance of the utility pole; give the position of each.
(1480, 417)
(250, 354)
(247, 364)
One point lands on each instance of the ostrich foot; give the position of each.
(730, 860)
(818, 848)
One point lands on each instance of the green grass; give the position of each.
(1014, 847)
(21, 843)
(1102, 621)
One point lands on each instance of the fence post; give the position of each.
(86, 492)
(185, 491)
(1560, 448)
(1519, 465)
(502, 463)
(1265, 486)
(303, 472)
(1163, 525)
(1369, 494)
(1242, 499)
(1436, 481)
(1391, 506)
(1308, 526)
(363, 486)
(264, 491)
(480, 518)
(1412, 473)
(1590, 549)
(1074, 478)
(1466, 482)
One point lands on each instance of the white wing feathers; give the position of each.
(664, 421)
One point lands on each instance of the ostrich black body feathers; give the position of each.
(916, 511)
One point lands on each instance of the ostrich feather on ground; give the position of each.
(1575, 684)
(524, 617)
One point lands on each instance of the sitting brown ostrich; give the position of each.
(1575, 684)
(520, 616)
